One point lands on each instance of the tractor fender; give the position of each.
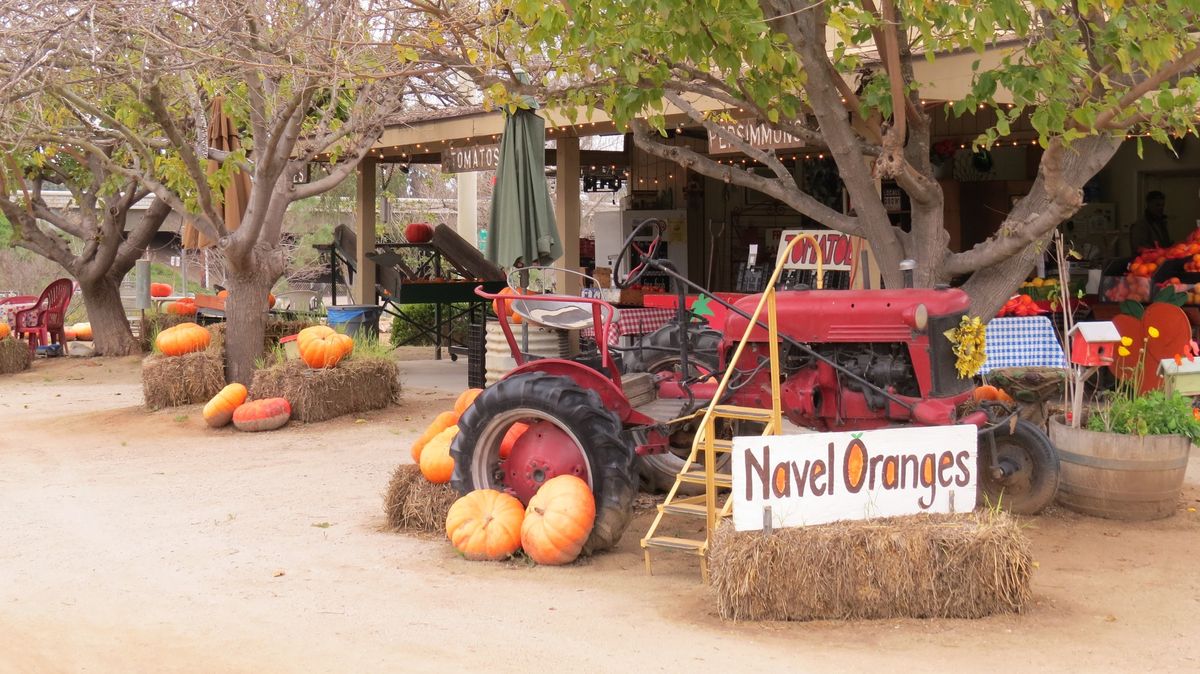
(610, 394)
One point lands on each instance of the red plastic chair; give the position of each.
(42, 323)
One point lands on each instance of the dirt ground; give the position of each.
(137, 542)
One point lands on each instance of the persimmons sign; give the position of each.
(825, 477)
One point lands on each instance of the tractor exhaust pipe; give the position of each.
(907, 267)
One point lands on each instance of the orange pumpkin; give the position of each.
(436, 463)
(270, 301)
(988, 392)
(558, 520)
(160, 289)
(418, 232)
(83, 331)
(68, 334)
(182, 307)
(223, 294)
(219, 411)
(262, 415)
(465, 399)
(510, 438)
(440, 423)
(321, 347)
(4, 330)
(485, 525)
(182, 338)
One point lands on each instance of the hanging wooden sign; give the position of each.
(471, 158)
(758, 134)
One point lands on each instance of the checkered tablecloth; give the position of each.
(634, 322)
(1022, 341)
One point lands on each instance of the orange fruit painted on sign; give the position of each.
(856, 465)
(889, 472)
(781, 479)
(927, 469)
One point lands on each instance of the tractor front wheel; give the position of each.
(569, 432)
(1024, 475)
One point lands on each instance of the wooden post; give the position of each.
(364, 228)
(567, 216)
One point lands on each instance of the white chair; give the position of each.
(297, 300)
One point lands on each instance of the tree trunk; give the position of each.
(110, 327)
(246, 320)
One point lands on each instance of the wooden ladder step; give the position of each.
(672, 543)
(744, 413)
(689, 509)
(697, 477)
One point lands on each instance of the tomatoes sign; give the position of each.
(817, 478)
(837, 249)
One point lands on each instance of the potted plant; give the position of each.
(1126, 457)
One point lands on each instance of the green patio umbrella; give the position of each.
(522, 228)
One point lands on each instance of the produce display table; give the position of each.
(709, 310)
(1025, 341)
(633, 322)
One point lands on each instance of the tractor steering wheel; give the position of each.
(646, 254)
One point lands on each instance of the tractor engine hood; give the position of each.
(850, 315)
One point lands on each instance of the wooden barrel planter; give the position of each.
(1117, 476)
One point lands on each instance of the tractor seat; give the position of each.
(556, 311)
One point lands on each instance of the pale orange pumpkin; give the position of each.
(4, 330)
(558, 520)
(219, 410)
(83, 331)
(440, 423)
(262, 415)
(485, 525)
(465, 399)
(320, 346)
(988, 392)
(182, 338)
(436, 463)
(181, 307)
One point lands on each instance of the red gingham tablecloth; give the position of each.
(634, 322)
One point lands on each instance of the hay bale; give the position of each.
(170, 381)
(14, 355)
(355, 385)
(277, 329)
(924, 566)
(413, 503)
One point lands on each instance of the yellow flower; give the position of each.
(1126, 341)
(1122, 352)
(1152, 331)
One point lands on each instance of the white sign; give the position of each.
(758, 134)
(825, 477)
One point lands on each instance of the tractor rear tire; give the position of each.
(1031, 488)
(574, 409)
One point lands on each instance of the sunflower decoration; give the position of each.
(969, 341)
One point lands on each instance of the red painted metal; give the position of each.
(542, 452)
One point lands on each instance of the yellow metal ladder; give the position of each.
(712, 506)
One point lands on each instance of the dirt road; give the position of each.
(144, 542)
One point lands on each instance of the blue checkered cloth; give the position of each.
(1022, 341)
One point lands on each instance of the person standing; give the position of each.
(1150, 231)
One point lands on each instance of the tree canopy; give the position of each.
(840, 76)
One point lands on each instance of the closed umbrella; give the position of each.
(522, 230)
(222, 135)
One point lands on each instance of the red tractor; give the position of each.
(850, 360)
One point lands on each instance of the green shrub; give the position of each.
(1154, 413)
(424, 314)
